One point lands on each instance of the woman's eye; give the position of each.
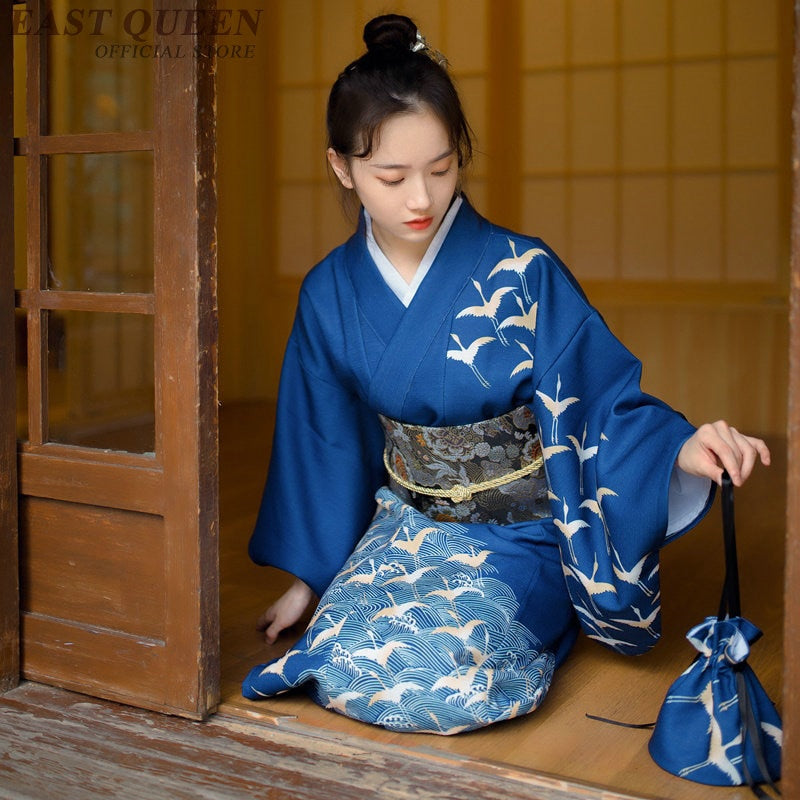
(395, 182)
(442, 172)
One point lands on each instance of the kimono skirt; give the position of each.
(452, 612)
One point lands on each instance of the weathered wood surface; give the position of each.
(557, 739)
(56, 745)
(9, 584)
(792, 584)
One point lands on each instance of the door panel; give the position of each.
(118, 473)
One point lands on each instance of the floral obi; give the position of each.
(489, 472)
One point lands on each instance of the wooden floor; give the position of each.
(557, 739)
(57, 745)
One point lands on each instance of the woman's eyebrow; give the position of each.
(405, 166)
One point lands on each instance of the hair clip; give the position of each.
(434, 55)
(419, 44)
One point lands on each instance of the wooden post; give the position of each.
(9, 568)
(791, 675)
(186, 301)
(504, 190)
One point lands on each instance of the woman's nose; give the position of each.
(419, 197)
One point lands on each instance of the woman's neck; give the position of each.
(405, 257)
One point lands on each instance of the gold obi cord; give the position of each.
(487, 471)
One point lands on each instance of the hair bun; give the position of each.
(390, 32)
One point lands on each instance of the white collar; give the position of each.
(394, 280)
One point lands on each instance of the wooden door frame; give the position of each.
(186, 233)
(9, 560)
(791, 642)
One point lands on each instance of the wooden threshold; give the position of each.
(58, 745)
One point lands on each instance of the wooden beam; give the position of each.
(72, 143)
(111, 302)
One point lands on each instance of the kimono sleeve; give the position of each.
(609, 453)
(324, 469)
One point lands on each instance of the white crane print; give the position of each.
(569, 529)
(462, 632)
(277, 667)
(518, 264)
(632, 575)
(471, 559)
(596, 507)
(466, 355)
(525, 363)
(590, 584)
(379, 655)
(339, 703)
(584, 453)
(328, 633)
(556, 406)
(396, 609)
(717, 749)
(525, 320)
(394, 693)
(640, 621)
(488, 309)
(409, 545)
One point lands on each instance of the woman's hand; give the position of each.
(716, 446)
(286, 610)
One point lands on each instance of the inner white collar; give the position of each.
(394, 280)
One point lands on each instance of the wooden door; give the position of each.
(117, 458)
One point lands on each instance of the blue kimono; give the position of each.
(436, 625)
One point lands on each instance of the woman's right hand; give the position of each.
(286, 610)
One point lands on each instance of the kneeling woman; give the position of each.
(455, 372)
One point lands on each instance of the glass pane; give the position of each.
(100, 218)
(100, 380)
(98, 80)
(20, 222)
(21, 337)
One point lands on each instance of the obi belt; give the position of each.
(488, 471)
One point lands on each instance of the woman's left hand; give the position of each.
(716, 446)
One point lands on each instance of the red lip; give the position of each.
(420, 224)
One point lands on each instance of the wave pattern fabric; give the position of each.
(418, 632)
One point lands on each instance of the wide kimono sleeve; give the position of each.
(326, 461)
(610, 452)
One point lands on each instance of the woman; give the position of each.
(454, 372)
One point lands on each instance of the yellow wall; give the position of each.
(647, 142)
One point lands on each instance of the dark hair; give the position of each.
(398, 74)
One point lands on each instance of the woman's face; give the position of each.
(406, 184)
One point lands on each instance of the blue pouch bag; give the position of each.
(717, 725)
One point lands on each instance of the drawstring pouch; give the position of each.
(717, 725)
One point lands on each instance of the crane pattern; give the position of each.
(429, 641)
(704, 704)
(602, 590)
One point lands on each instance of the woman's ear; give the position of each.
(340, 167)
